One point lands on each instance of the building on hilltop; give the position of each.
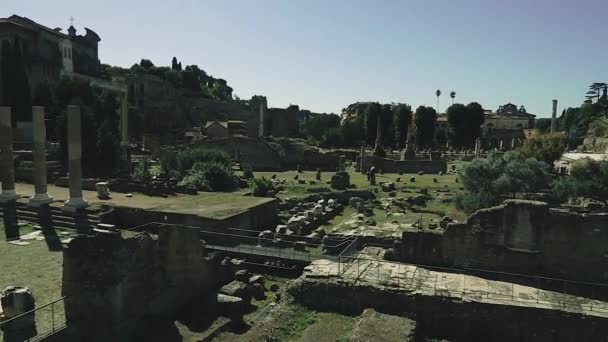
(48, 53)
(508, 117)
(506, 128)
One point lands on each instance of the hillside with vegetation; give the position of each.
(596, 139)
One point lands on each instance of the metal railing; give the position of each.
(48, 318)
(476, 284)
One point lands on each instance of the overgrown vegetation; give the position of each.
(589, 179)
(202, 168)
(261, 187)
(546, 147)
(210, 176)
(488, 181)
(99, 116)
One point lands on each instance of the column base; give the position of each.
(74, 203)
(8, 195)
(39, 200)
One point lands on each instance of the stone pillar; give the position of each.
(7, 165)
(74, 161)
(362, 161)
(262, 115)
(553, 116)
(41, 197)
(124, 136)
(378, 151)
(477, 147)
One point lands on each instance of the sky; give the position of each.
(325, 54)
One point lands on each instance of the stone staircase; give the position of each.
(52, 216)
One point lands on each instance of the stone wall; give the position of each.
(451, 319)
(254, 153)
(405, 166)
(111, 282)
(263, 156)
(519, 236)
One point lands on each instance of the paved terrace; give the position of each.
(218, 205)
(417, 280)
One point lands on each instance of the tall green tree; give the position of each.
(465, 123)
(425, 126)
(388, 126)
(546, 147)
(403, 118)
(487, 181)
(371, 122)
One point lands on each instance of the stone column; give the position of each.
(362, 161)
(7, 164)
(378, 151)
(74, 161)
(41, 197)
(262, 114)
(554, 116)
(477, 147)
(124, 137)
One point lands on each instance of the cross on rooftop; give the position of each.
(71, 21)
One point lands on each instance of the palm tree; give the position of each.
(453, 95)
(438, 93)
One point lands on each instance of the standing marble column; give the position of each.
(362, 161)
(74, 160)
(41, 197)
(7, 164)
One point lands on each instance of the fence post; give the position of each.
(464, 285)
(538, 289)
(53, 316)
(564, 293)
(592, 296)
(512, 292)
(398, 276)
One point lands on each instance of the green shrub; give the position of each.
(261, 186)
(248, 173)
(168, 162)
(141, 171)
(210, 176)
(187, 158)
(181, 162)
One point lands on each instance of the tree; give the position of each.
(438, 93)
(487, 181)
(146, 64)
(388, 128)
(465, 123)
(425, 126)
(543, 125)
(316, 126)
(371, 121)
(546, 147)
(353, 131)
(588, 179)
(332, 138)
(403, 118)
(174, 65)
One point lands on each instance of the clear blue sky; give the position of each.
(326, 54)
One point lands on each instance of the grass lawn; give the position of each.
(36, 267)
